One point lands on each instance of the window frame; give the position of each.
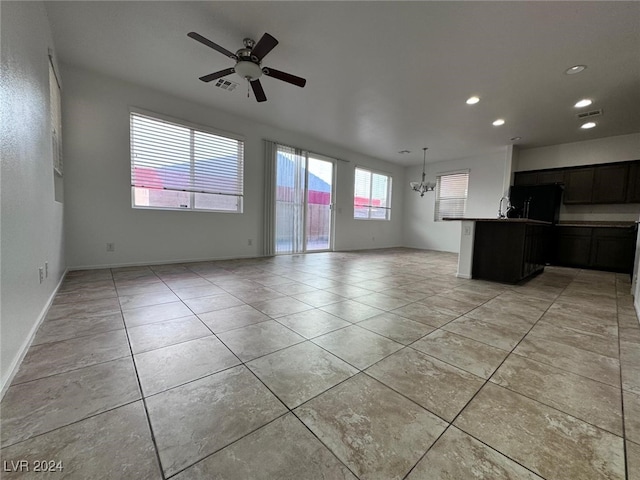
(387, 208)
(193, 127)
(437, 216)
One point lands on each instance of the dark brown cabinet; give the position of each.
(600, 248)
(633, 185)
(509, 250)
(607, 183)
(539, 177)
(610, 183)
(613, 249)
(573, 246)
(525, 178)
(550, 177)
(578, 185)
(537, 241)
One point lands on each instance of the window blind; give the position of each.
(451, 195)
(178, 158)
(372, 195)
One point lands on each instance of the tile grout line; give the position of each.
(321, 393)
(476, 394)
(249, 278)
(624, 434)
(142, 397)
(524, 356)
(243, 364)
(288, 410)
(60, 373)
(72, 422)
(200, 378)
(363, 371)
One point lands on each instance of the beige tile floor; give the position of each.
(371, 365)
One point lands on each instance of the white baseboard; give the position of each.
(364, 249)
(164, 262)
(15, 364)
(462, 275)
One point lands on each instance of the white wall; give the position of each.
(31, 232)
(601, 150)
(486, 186)
(97, 189)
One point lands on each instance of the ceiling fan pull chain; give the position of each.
(248, 88)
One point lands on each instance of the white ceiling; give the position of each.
(383, 76)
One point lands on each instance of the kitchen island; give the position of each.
(503, 250)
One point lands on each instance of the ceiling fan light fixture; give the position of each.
(248, 70)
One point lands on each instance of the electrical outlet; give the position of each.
(111, 247)
(41, 274)
(46, 269)
(250, 242)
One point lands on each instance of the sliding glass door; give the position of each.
(319, 204)
(304, 202)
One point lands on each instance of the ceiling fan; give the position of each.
(248, 63)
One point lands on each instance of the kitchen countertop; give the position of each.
(500, 220)
(566, 223)
(597, 224)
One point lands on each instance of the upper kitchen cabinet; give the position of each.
(550, 177)
(633, 187)
(578, 185)
(539, 177)
(610, 183)
(601, 183)
(525, 178)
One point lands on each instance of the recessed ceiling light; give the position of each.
(585, 102)
(472, 100)
(515, 139)
(575, 69)
(498, 122)
(588, 125)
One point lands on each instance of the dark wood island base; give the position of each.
(503, 250)
(509, 251)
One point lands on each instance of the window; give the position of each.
(179, 167)
(372, 195)
(451, 195)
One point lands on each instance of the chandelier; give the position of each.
(423, 186)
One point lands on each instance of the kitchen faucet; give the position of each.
(500, 214)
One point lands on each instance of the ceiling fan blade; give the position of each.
(264, 46)
(258, 91)
(209, 43)
(216, 75)
(285, 77)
